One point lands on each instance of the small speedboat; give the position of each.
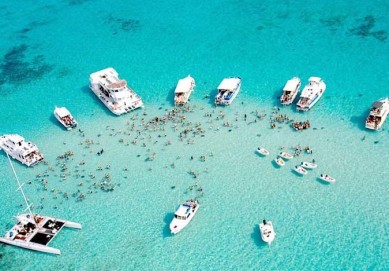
(267, 231)
(308, 165)
(279, 161)
(300, 170)
(183, 215)
(263, 151)
(326, 178)
(286, 155)
(65, 118)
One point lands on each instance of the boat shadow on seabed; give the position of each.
(166, 230)
(256, 236)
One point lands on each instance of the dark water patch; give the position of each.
(125, 25)
(364, 29)
(261, 27)
(31, 26)
(333, 22)
(14, 69)
(63, 72)
(75, 2)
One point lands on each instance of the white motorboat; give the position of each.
(290, 90)
(308, 165)
(114, 92)
(183, 90)
(300, 170)
(279, 161)
(183, 215)
(311, 93)
(378, 113)
(32, 231)
(65, 118)
(24, 151)
(262, 151)
(286, 155)
(326, 178)
(267, 231)
(227, 90)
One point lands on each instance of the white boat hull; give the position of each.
(300, 170)
(327, 179)
(31, 246)
(267, 232)
(263, 151)
(177, 224)
(308, 165)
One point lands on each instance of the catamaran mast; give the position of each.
(20, 185)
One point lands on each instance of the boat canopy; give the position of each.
(184, 85)
(290, 85)
(315, 79)
(182, 210)
(377, 105)
(229, 83)
(62, 111)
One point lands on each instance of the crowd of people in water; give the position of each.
(149, 135)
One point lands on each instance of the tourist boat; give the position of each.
(183, 90)
(311, 93)
(378, 113)
(290, 90)
(326, 178)
(300, 170)
(262, 151)
(267, 231)
(24, 151)
(114, 92)
(65, 118)
(33, 231)
(183, 215)
(286, 155)
(227, 90)
(308, 165)
(279, 161)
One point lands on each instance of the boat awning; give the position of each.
(182, 210)
(184, 85)
(229, 83)
(377, 104)
(62, 111)
(314, 79)
(290, 85)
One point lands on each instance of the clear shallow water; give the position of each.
(48, 52)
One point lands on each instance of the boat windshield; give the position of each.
(180, 217)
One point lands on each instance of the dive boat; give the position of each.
(267, 231)
(65, 118)
(326, 178)
(286, 155)
(33, 231)
(300, 170)
(279, 161)
(378, 113)
(24, 151)
(290, 90)
(227, 90)
(308, 165)
(114, 92)
(183, 215)
(183, 90)
(311, 93)
(262, 151)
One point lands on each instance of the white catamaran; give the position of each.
(183, 90)
(114, 92)
(34, 231)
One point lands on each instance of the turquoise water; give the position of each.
(49, 49)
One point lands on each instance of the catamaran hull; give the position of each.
(31, 246)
